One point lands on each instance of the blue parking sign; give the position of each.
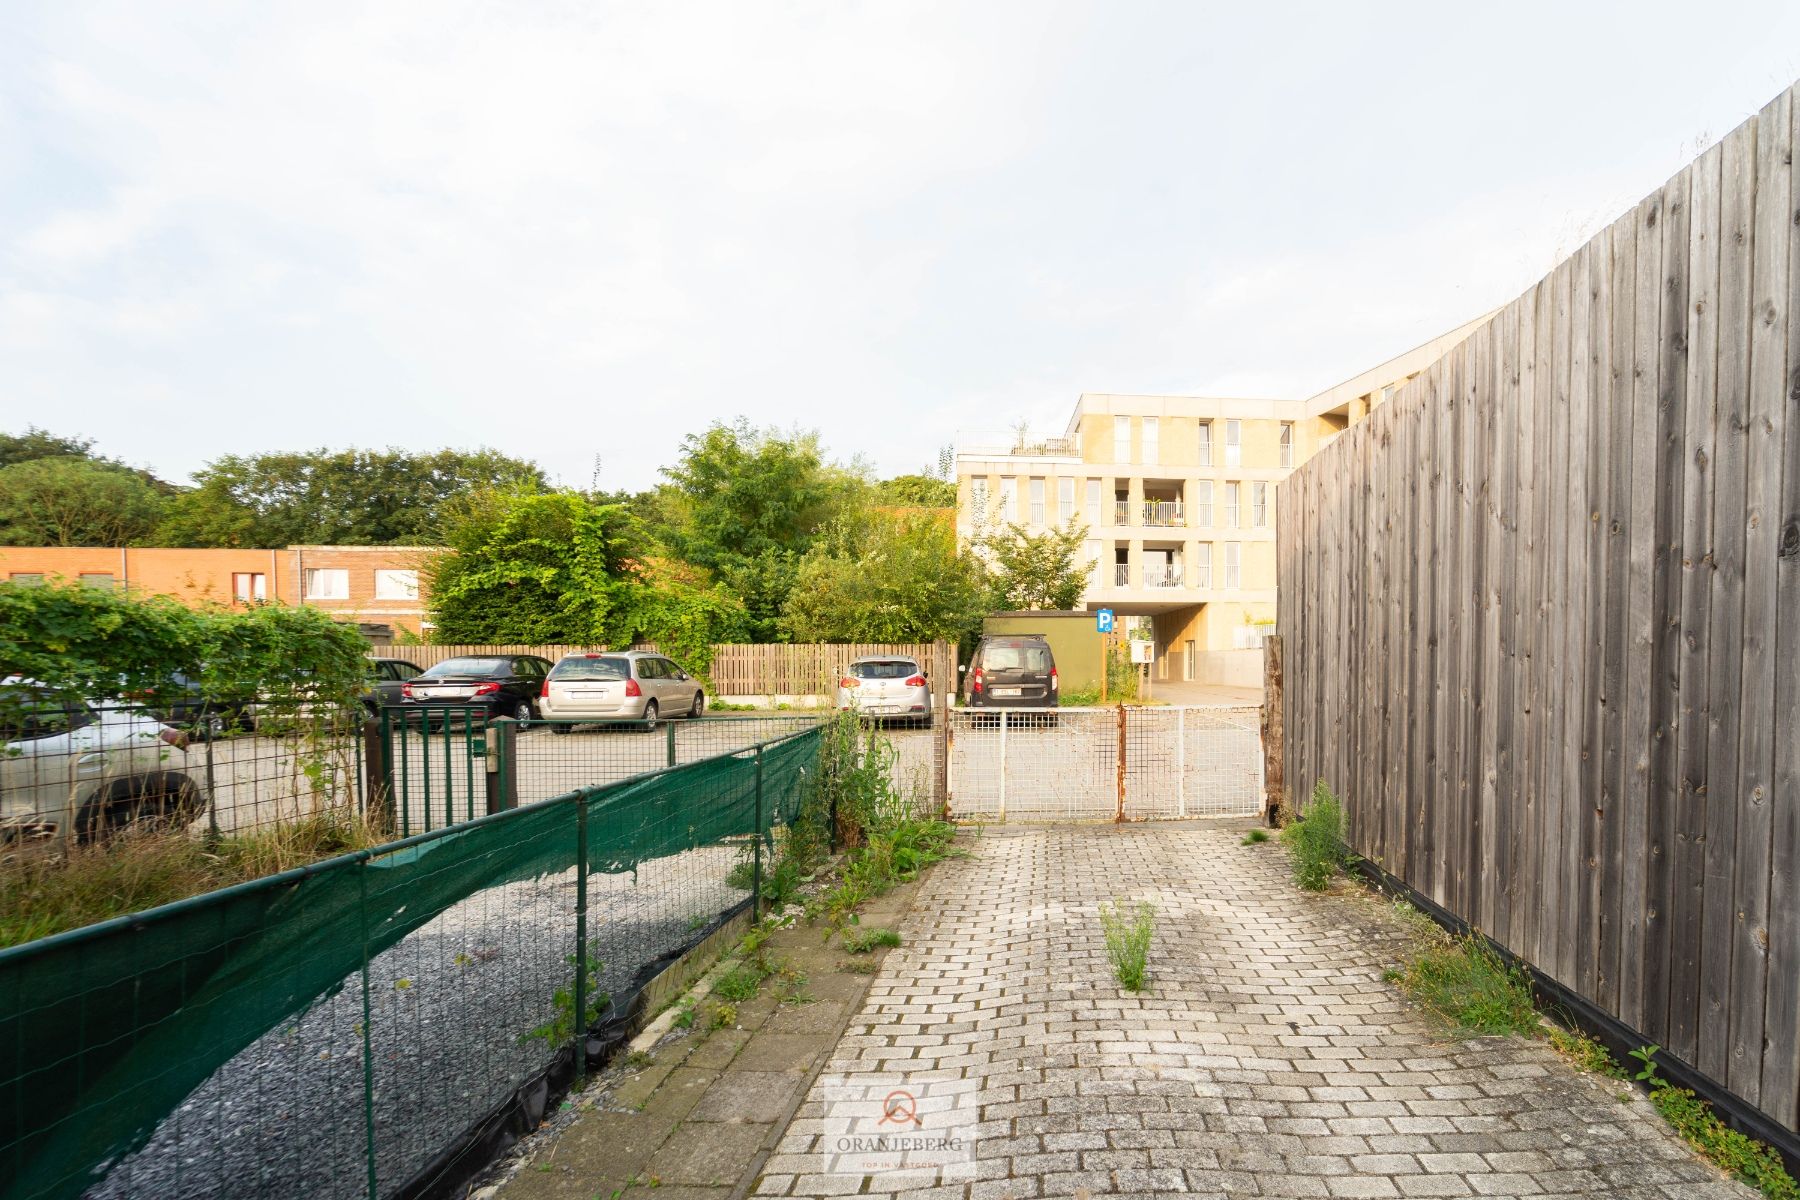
(1103, 620)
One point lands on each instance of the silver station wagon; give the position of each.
(630, 685)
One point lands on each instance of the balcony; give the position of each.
(1162, 575)
(1164, 512)
(1121, 575)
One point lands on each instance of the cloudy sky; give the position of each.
(568, 229)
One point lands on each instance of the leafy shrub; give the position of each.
(1316, 842)
(1128, 941)
(1747, 1160)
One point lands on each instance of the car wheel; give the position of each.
(524, 712)
(650, 713)
(157, 801)
(699, 709)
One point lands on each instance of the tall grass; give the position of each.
(1316, 841)
(93, 883)
(1128, 941)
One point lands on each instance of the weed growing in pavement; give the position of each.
(561, 1025)
(1584, 1052)
(1255, 837)
(724, 1016)
(859, 966)
(1744, 1158)
(684, 1013)
(637, 1060)
(864, 940)
(1128, 941)
(740, 983)
(1465, 982)
(1316, 841)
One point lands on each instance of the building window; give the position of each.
(1287, 443)
(27, 577)
(1203, 566)
(1065, 500)
(1037, 501)
(1122, 439)
(396, 585)
(1206, 443)
(97, 579)
(1259, 505)
(978, 499)
(1093, 503)
(1150, 435)
(1231, 505)
(1203, 497)
(327, 583)
(1233, 564)
(1009, 499)
(249, 585)
(1234, 443)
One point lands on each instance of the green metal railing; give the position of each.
(350, 1028)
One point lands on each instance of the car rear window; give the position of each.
(1016, 658)
(591, 668)
(479, 667)
(27, 716)
(892, 668)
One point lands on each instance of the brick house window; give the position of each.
(327, 583)
(249, 585)
(396, 585)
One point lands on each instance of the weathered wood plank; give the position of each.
(1506, 722)
(1725, 624)
(1688, 863)
(1767, 411)
(1597, 370)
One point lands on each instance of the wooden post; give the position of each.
(378, 777)
(1121, 813)
(1274, 784)
(943, 668)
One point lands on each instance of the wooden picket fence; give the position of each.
(809, 669)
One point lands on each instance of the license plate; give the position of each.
(449, 693)
(883, 709)
(1009, 691)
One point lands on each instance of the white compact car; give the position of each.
(631, 685)
(886, 686)
(68, 767)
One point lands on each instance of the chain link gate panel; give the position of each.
(1104, 764)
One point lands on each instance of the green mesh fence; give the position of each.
(348, 1029)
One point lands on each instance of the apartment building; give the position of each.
(1178, 496)
(377, 587)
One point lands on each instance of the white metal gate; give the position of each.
(1104, 764)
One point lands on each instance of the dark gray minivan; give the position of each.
(1011, 670)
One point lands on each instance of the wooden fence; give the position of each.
(1541, 622)
(737, 670)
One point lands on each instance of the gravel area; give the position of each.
(451, 1006)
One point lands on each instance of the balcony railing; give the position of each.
(1162, 575)
(1121, 575)
(1164, 512)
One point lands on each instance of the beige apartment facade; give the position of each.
(1178, 498)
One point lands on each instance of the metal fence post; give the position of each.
(1181, 762)
(756, 860)
(671, 738)
(368, 1046)
(1121, 813)
(1002, 817)
(581, 938)
(212, 805)
(502, 778)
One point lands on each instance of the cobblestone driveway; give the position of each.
(1266, 1058)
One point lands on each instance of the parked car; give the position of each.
(886, 686)
(72, 768)
(1012, 670)
(179, 701)
(506, 685)
(387, 675)
(632, 685)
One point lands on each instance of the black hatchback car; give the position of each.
(1011, 670)
(505, 685)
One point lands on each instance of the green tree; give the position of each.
(916, 491)
(76, 502)
(887, 577)
(1037, 570)
(746, 504)
(37, 443)
(325, 497)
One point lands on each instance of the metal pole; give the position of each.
(1121, 813)
(581, 939)
(1181, 762)
(756, 860)
(671, 736)
(1003, 766)
(212, 792)
(368, 1047)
